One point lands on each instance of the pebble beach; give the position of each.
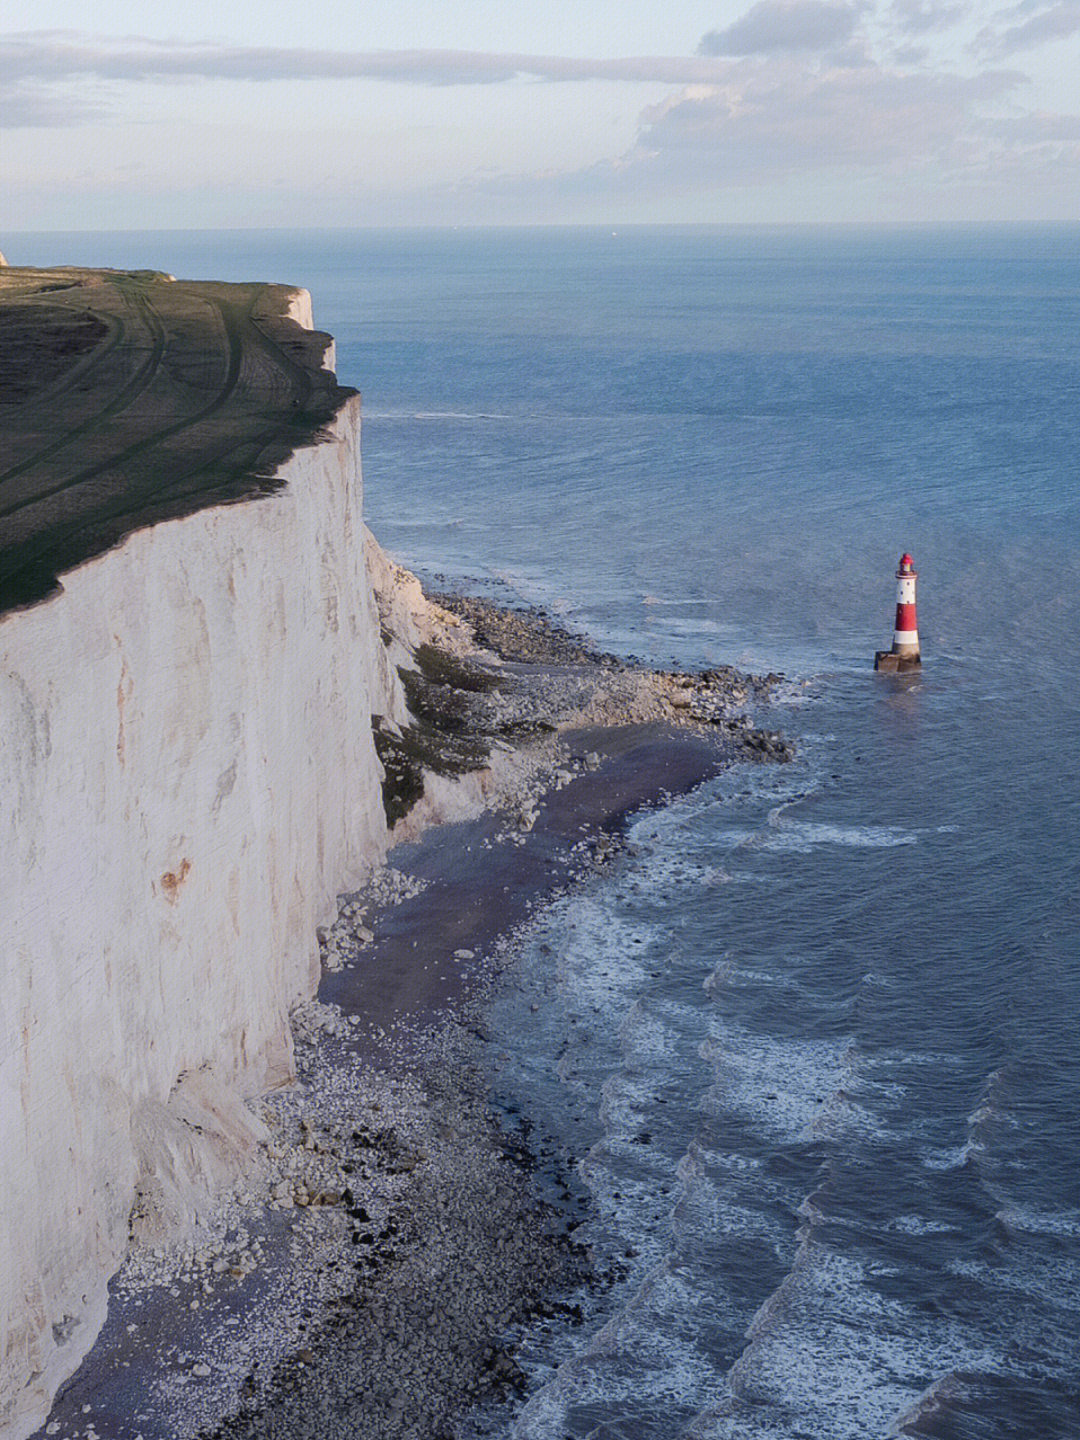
(376, 1269)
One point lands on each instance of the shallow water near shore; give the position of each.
(811, 1039)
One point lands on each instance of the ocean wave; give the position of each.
(950, 1157)
(648, 1370)
(1059, 1223)
(918, 1225)
(947, 1391)
(404, 414)
(1064, 1223)
(829, 1355)
(992, 1106)
(782, 1086)
(709, 817)
(1041, 1296)
(799, 836)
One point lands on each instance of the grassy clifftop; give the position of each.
(127, 397)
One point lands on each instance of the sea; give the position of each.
(809, 1044)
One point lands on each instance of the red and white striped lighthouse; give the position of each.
(905, 646)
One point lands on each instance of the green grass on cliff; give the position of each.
(127, 398)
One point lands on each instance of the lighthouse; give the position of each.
(904, 654)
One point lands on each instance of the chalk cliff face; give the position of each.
(187, 780)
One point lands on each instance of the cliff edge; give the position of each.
(187, 765)
(128, 397)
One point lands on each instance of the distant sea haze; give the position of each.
(811, 1042)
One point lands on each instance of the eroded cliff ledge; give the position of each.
(187, 769)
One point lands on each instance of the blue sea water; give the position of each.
(812, 1041)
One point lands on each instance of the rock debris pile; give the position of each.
(413, 1245)
(467, 707)
(441, 1250)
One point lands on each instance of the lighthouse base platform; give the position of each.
(889, 663)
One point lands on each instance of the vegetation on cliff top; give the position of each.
(127, 398)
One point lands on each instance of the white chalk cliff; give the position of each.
(187, 781)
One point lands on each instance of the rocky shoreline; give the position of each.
(466, 704)
(372, 1276)
(448, 1250)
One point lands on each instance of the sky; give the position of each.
(493, 112)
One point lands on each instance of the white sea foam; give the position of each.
(788, 834)
(782, 1085)
(829, 1356)
(647, 1366)
(918, 1225)
(1040, 1294)
(647, 1038)
(727, 1210)
(952, 1157)
(1064, 1222)
(598, 953)
(458, 415)
(727, 804)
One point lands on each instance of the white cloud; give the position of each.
(771, 26)
(62, 56)
(27, 103)
(1027, 25)
(919, 17)
(797, 95)
(782, 120)
(770, 121)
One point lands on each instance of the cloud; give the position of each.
(1041, 130)
(790, 95)
(771, 26)
(777, 120)
(60, 56)
(25, 104)
(918, 17)
(1057, 21)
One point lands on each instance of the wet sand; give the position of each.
(480, 884)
